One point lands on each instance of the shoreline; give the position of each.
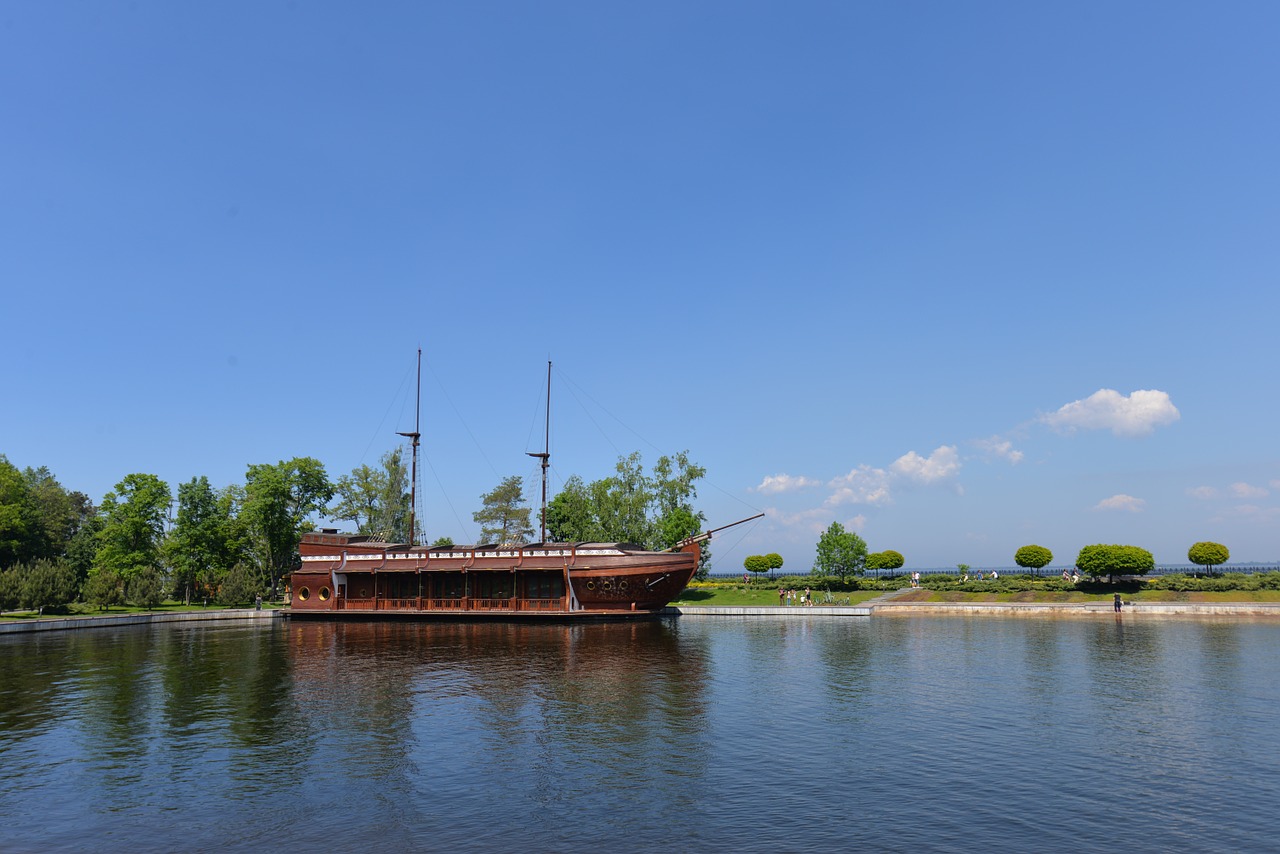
(97, 621)
(890, 608)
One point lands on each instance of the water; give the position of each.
(897, 734)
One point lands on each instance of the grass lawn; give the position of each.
(81, 610)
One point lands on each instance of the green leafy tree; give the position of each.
(571, 514)
(885, 560)
(59, 514)
(840, 552)
(207, 538)
(1208, 554)
(103, 589)
(504, 518)
(276, 505)
(48, 584)
(145, 589)
(775, 561)
(133, 520)
(442, 543)
(756, 563)
(1112, 560)
(376, 500)
(19, 524)
(1033, 557)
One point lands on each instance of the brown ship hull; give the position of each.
(347, 577)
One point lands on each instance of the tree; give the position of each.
(1112, 560)
(885, 560)
(1033, 557)
(376, 499)
(145, 589)
(775, 561)
(207, 538)
(840, 552)
(239, 586)
(59, 514)
(442, 543)
(756, 563)
(103, 589)
(505, 516)
(133, 520)
(277, 501)
(1208, 554)
(18, 523)
(10, 588)
(48, 584)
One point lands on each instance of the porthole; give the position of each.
(364, 594)
(591, 585)
(324, 594)
(303, 594)
(622, 585)
(606, 585)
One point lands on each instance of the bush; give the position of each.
(103, 589)
(1113, 560)
(145, 590)
(239, 587)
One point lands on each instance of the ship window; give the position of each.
(324, 594)
(304, 594)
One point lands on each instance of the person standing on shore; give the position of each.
(782, 595)
(1117, 600)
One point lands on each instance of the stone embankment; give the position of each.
(98, 621)
(888, 605)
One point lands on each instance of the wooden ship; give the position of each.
(356, 576)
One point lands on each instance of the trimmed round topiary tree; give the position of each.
(888, 559)
(1113, 560)
(1032, 557)
(1208, 554)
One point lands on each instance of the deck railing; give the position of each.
(449, 604)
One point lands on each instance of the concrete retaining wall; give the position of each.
(53, 624)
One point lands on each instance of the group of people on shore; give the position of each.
(982, 576)
(1073, 576)
(788, 597)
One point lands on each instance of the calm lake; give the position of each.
(716, 734)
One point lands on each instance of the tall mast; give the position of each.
(413, 437)
(545, 456)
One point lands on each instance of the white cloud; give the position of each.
(1121, 502)
(944, 462)
(1275, 484)
(863, 485)
(814, 521)
(1205, 492)
(1106, 409)
(775, 483)
(1000, 448)
(1244, 490)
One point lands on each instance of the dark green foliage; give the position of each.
(10, 588)
(145, 589)
(207, 539)
(1208, 554)
(103, 589)
(240, 586)
(18, 522)
(1113, 560)
(654, 511)
(133, 519)
(48, 584)
(888, 559)
(442, 543)
(1221, 583)
(1033, 557)
(840, 553)
(376, 499)
(278, 499)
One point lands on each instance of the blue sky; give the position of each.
(961, 276)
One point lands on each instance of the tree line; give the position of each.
(142, 543)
